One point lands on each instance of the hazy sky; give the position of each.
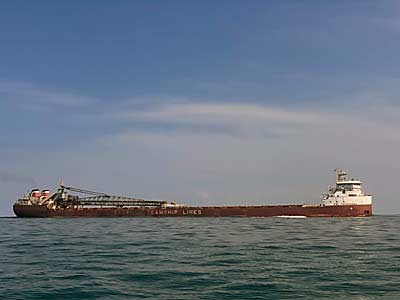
(202, 102)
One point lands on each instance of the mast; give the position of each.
(340, 175)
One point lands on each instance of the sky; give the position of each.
(200, 102)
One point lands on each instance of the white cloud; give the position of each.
(28, 95)
(199, 113)
(354, 119)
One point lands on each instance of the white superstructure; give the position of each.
(346, 192)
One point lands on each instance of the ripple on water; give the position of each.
(229, 258)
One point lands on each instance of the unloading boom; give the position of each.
(117, 201)
(61, 199)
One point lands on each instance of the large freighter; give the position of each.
(346, 199)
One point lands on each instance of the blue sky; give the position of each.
(205, 102)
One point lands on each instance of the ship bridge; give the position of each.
(347, 191)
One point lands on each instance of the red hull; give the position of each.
(36, 211)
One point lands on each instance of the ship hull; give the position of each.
(41, 211)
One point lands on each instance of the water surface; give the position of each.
(205, 258)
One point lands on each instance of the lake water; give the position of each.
(205, 258)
